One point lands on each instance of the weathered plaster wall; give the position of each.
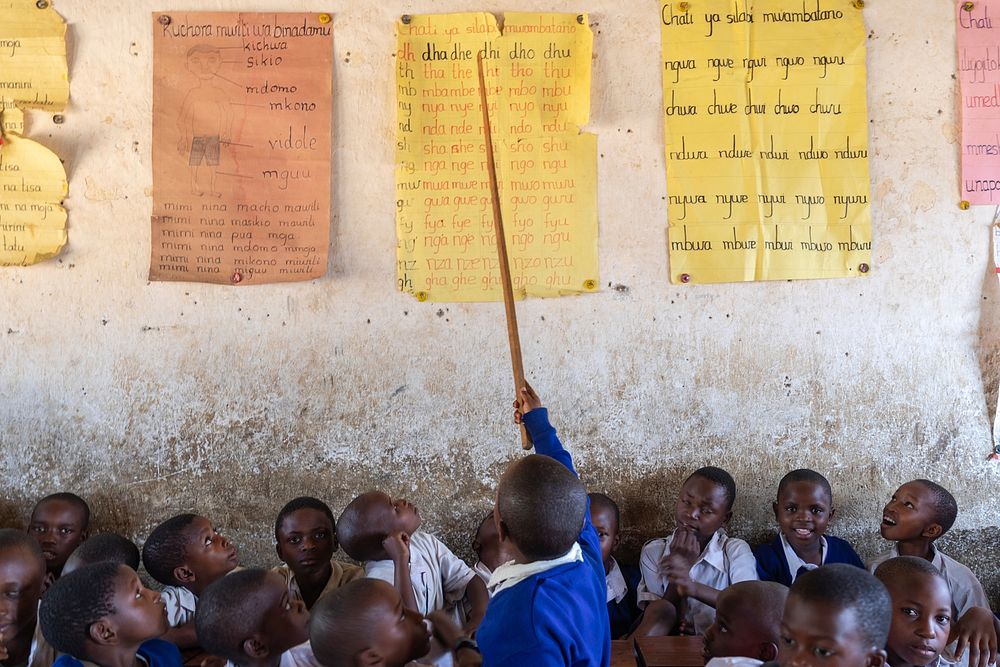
(154, 398)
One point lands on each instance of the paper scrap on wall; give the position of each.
(766, 128)
(538, 84)
(33, 75)
(241, 146)
(979, 80)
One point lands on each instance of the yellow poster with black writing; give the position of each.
(537, 77)
(33, 75)
(766, 127)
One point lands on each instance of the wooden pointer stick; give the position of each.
(508, 291)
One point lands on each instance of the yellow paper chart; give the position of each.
(766, 127)
(32, 185)
(33, 71)
(538, 84)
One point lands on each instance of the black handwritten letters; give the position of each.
(241, 147)
(767, 170)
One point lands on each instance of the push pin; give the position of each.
(964, 205)
(579, 19)
(685, 277)
(864, 268)
(58, 119)
(325, 18)
(968, 6)
(406, 18)
(589, 283)
(164, 19)
(684, 6)
(42, 4)
(237, 277)
(421, 296)
(858, 4)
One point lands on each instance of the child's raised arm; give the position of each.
(397, 545)
(528, 410)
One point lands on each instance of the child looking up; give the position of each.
(59, 523)
(250, 619)
(366, 623)
(803, 510)
(486, 546)
(747, 621)
(921, 611)
(622, 581)
(22, 579)
(306, 542)
(103, 547)
(919, 513)
(386, 535)
(102, 614)
(689, 568)
(549, 604)
(186, 554)
(836, 616)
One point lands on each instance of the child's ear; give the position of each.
(774, 507)
(255, 648)
(729, 515)
(277, 550)
(767, 652)
(933, 531)
(615, 542)
(833, 513)
(103, 633)
(369, 657)
(183, 574)
(876, 658)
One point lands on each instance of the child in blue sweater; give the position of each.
(102, 614)
(803, 510)
(548, 605)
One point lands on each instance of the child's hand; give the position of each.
(445, 629)
(685, 546)
(397, 545)
(527, 401)
(678, 574)
(977, 632)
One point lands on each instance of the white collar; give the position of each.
(615, 580)
(795, 563)
(510, 573)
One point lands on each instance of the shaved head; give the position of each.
(541, 505)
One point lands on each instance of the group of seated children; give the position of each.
(546, 590)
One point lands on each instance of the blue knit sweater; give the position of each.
(558, 617)
(773, 566)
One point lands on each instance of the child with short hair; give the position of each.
(916, 516)
(304, 533)
(385, 534)
(803, 510)
(689, 568)
(366, 623)
(250, 619)
(549, 605)
(745, 632)
(102, 614)
(835, 616)
(622, 581)
(486, 546)
(186, 554)
(22, 580)
(103, 547)
(59, 523)
(921, 611)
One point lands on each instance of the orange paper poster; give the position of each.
(978, 31)
(241, 147)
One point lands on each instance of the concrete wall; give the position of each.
(150, 399)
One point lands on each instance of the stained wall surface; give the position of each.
(155, 398)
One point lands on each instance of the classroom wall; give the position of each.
(155, 398)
